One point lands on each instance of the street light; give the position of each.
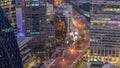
(76, 33)
(72, 50)
(63, 60)
(75, 38)
(67, 42)
(71, 34)
(53, 64)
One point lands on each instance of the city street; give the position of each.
(66, 60)
(59, 33)
(70, 55)
(78, 22)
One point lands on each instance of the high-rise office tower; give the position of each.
(9, 8)
(32, 15)
(33, 18)
(105, 31)
(9, 50)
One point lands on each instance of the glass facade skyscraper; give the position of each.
(9, 50)
(9, 7)
(32, 16)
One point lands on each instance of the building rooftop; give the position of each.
(108, 66)
(23, 40)
(110, 2)
(102, 65)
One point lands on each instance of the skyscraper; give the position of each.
(32, 17)
(10, 9)
(9, 50)
(105, 31)
(32, 13)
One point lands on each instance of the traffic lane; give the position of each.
(84, 44)
(59, 63)
(79, 24)
(79, 18)
(64, 63)
(70, 54)
(69, 57)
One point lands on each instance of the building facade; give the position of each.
(9, 50)
(10, 9)
(68, 13)
(35, 18)
(25, 50)
(32, 17)
(105, 31)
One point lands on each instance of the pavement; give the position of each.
(65, 60)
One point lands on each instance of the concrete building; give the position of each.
(25, 50)
(50, 9)
(105, 31)
(66, 10)
(68, 13)
(50, 13)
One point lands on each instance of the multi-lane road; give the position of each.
(82, 26)
(65, 60)
(69, 56)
